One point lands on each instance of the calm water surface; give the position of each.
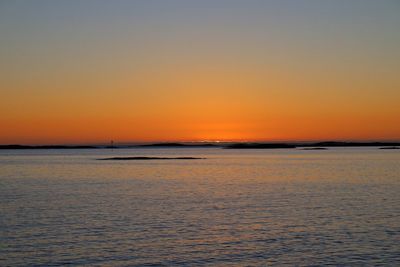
(235, 208)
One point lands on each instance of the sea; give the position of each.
(246, 207)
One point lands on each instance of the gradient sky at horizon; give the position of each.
(183, 70)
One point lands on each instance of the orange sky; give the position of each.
(192, 73)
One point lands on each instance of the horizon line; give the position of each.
(126, 143)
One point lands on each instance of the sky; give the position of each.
(76, 72)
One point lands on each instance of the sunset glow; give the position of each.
(90, 72)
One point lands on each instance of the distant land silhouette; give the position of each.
(45, 147)
(259, 146)
(232, 145)
(349, 144)
(177, 145)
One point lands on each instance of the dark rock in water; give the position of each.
(147, 158)
(390, 147)
(259, 146)
(315, 148)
